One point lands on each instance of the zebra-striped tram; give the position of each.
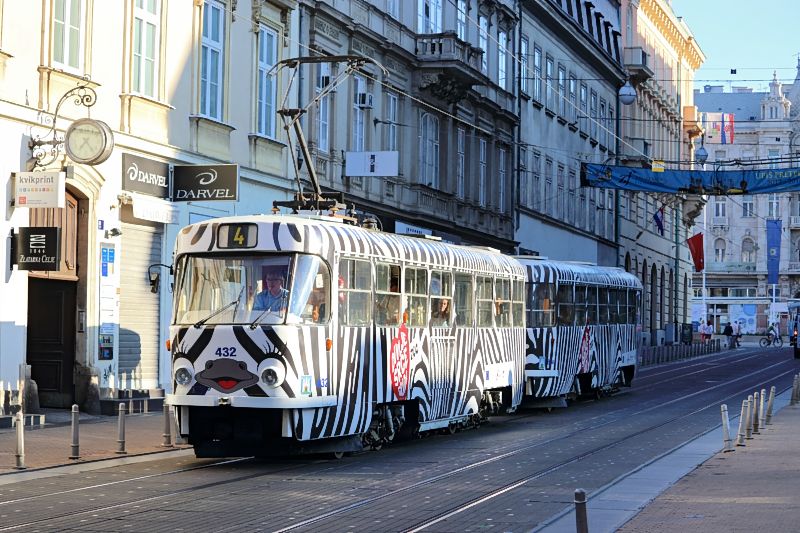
(302, 333)
(582, 324)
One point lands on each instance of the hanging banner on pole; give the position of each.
(773, 250)
(696, 249)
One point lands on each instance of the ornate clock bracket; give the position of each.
(46, 148)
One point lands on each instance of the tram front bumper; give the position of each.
(305, 402)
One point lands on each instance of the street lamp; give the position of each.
(627, 94)
(701, 154)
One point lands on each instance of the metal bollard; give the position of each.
(795, 384)
(130, 406)
(748, 431)
(581, 520)
(742, 424)
(146, 405)
(121, 429)
(755, 414)
(726, 430)
(167, 428)
(76, 448)
(20, 451)
(762, 409)
(769, 404)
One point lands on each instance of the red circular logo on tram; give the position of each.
(399, 363)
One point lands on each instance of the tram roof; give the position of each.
(550, 271)
(325, 235)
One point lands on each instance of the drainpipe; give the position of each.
(517, 134)
(617, 146)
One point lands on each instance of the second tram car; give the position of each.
(302, 333)
(582, 328)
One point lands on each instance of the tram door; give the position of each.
(52, 304)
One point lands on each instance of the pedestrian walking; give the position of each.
(736, 333)
(728, 332)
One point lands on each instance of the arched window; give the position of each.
(748, 251)
(719, 250)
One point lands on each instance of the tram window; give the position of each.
(355, 292)
(634, 299)
(502, 302)
(566, 308)
(462, 300)
(310, 301)
(543, 306)
(518, 303)
(580, 305)
(591, 304)
(387, 295)
(416, 290)
(483, 293)
(618, 306)
(441, 304)
(602, 305)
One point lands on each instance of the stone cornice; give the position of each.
(675, 31)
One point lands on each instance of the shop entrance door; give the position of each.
(51, 339)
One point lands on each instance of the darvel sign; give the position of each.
(37, 249)
(145, 176)
(192, 183)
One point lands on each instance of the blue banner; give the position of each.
(712, 182)
(773, 250)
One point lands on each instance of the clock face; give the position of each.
(88, 141)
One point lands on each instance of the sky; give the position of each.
(753, 37)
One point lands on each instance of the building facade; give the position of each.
(759, 131)
(177, 83)
(661, 56)
(444, 107)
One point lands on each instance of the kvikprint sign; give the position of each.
(192, 183)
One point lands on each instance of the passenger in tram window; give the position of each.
(502, 310)
(440, 315)
(388, 305)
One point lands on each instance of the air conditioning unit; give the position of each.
(364, 100)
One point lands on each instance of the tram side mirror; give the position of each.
(155, 280)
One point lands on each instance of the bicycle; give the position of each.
(769, 340)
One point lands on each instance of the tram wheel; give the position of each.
(451, 429)
(336, 455)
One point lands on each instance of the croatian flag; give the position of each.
(658, 217)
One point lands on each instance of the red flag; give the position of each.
(696, 249)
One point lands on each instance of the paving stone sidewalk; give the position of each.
(754, 488)
(50, 445)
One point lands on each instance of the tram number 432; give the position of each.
(226, 351)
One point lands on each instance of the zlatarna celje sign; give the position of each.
(37, 249)
(192, 183)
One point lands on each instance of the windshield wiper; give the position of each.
(221, 309)
(264, 314)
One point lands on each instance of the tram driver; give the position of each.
(274, 297)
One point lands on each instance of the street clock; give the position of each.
(89, 141)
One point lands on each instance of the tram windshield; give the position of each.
(253, 290)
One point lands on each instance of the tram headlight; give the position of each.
(269, 377)
(183, 376)
(272, 372)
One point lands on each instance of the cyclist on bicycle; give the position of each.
(773, 333)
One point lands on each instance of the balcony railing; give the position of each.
(636, 60)
(447, 47)
(731, 267)
(719, 221)
(794, 222)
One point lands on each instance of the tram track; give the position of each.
(509, 452)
